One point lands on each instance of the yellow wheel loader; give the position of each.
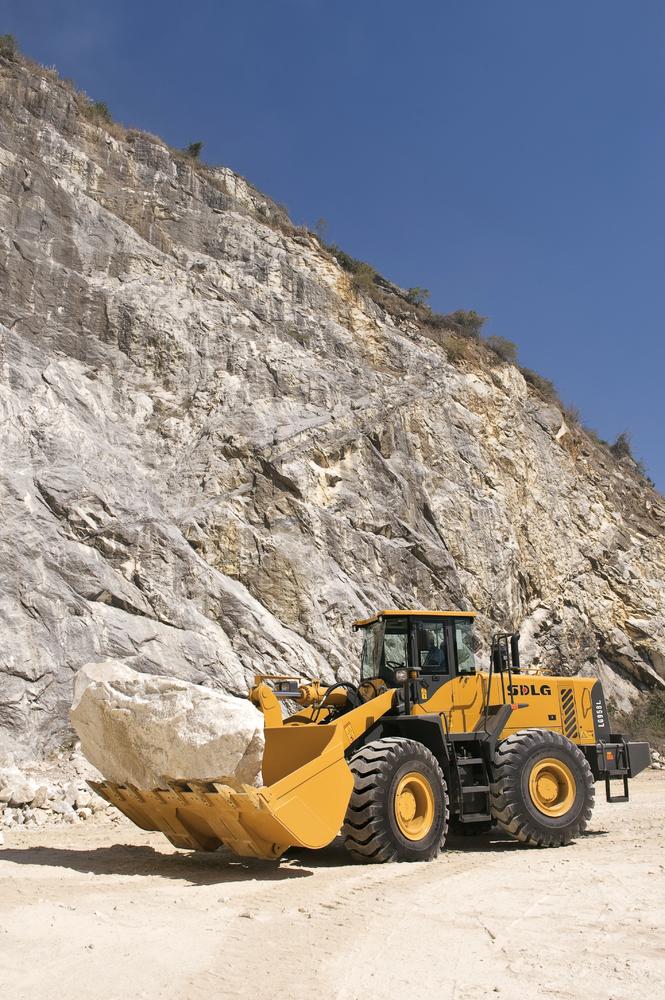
(424, 742)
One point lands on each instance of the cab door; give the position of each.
(448, 682)
(467, 702)
(432, 653)
(468, 689)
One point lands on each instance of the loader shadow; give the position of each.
(336, 855)
(495, 841)
(215, 868)
(220, 867)
(491, 842)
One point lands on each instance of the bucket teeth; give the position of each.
(200, 815)
(303, 804)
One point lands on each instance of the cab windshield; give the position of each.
(384, 649)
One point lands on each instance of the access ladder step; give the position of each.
(463, 761)
(624, 797)
(475, 817)
(472, 789)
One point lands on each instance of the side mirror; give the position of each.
(515, 651)
(498, 659)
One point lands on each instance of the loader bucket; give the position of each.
(308, 786)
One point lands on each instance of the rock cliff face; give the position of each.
(216, 453)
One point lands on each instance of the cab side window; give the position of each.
(432, 651)
(466, 645)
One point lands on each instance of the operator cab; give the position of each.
(438, 644)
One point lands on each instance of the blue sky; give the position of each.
(508, 156)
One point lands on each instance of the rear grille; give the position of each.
(568, 713)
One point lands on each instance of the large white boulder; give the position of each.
(141, 729)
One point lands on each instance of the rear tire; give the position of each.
(542, 791)
(398, 809)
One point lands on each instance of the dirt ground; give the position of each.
(105, 911)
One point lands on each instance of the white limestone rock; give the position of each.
(83, 799)
(7, 777)
(16, 788)
(142, 729)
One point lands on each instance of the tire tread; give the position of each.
(507, 807)
(364, 833)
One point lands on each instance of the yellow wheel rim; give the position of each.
(414, 806)
(552, 786)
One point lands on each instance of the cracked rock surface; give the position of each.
(215, 453)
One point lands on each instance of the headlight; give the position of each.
(400, 675)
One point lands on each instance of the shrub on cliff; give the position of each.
(345, 260)
(457, 348)
(362, 274)
(503, 348)
(418, 296)
(364, 278)
(8, 47)
(622, 447)
(463, 322)
(545, 387)
(98, 113)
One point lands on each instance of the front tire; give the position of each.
(542, 792)
(399, 805)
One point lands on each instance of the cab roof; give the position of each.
(405, 614)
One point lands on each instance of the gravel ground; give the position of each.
(103, 910)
